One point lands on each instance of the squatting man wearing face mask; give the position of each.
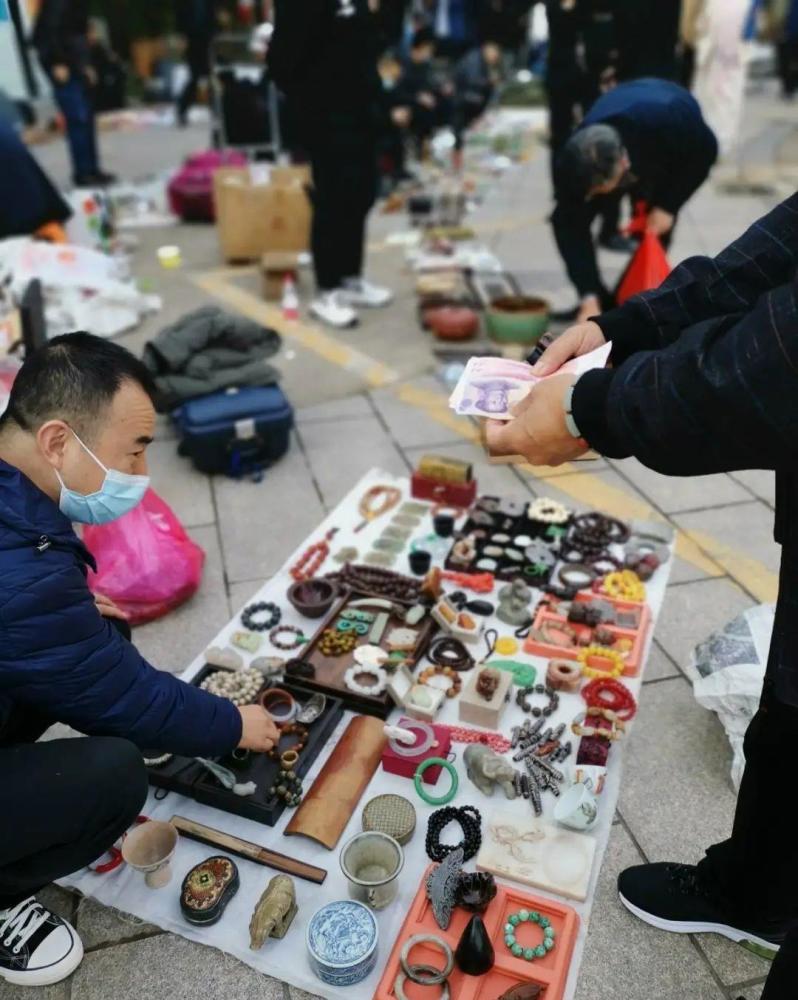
(72, 448)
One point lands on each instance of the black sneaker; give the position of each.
(37, 948)
(674, 898)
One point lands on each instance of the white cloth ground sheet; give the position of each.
(286, 959)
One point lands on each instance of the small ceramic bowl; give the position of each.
(312, 598)
(518, 319)
(342, 942)
(452, 322)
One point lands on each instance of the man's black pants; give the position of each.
(343, 156)
(756, 869)
(63, 803)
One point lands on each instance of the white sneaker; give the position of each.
(37, 948)
(359, 292)
(331, 309)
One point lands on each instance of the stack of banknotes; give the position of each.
(491, 387)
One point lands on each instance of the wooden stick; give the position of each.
(246, 849)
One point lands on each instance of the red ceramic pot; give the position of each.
(452, 322)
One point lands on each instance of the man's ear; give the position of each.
(52, 438)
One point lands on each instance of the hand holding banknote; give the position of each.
(493, 387)
(536, 429)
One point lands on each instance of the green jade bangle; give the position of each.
(422, 794)
(532, 917)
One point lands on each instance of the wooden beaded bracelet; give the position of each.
(293, 729)
(298, 640)
(454, 688)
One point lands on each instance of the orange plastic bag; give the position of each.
(146, 563)
(648, 268)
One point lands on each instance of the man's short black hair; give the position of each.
(589, 158)
(73, 378)
(424, 36)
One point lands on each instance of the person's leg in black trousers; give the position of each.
(197, 57)
(65, 802)
(343, 154)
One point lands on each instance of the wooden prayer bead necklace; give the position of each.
(312, 559)
(390, 497)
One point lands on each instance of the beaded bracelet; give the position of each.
(537, 712)
(293, 729)
(600, 653)
(450, 652)
(248, 616)
(548, 511)
(531, 916)
(454, 688)
(615, 730)
(298, 640)
(606, 692)
(470, 822)
(334, 643)
(424, 794)
(369, 690)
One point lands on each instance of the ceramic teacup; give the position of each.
(577, 808)
(149, 849)
(372, 862)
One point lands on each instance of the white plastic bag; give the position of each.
(727, 670)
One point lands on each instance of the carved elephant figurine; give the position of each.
(486, 768)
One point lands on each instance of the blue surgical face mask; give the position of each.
(119, 493)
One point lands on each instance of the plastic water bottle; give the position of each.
(290, 301)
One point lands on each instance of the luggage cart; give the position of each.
(244, 103)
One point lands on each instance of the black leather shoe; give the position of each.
(674, 898)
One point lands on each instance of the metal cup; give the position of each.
(372, 863)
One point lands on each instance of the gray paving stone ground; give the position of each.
(676, 797)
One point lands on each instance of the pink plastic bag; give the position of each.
(146, 563)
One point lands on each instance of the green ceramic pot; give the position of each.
(517, 319)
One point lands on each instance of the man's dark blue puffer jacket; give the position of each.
(60, 657)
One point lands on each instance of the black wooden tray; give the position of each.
(187, 777)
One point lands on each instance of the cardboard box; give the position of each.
(262, 210)
(274, 266)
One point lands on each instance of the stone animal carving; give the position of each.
(486, 768)
(273, 912)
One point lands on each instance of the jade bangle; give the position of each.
(422, 794)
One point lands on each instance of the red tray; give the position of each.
(634, 661)
(508, 971)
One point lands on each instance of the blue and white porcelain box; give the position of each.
(342, 942)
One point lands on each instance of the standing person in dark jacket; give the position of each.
(61, 37)
(647, 136)
(72, 448)
(323, 56)
(703, 381)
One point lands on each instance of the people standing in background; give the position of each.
(455, 25)
(323, 56)
(782, 17)
(582, 63)
(647, 35)
(61, 38)
(715, 29)
(196, 21)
